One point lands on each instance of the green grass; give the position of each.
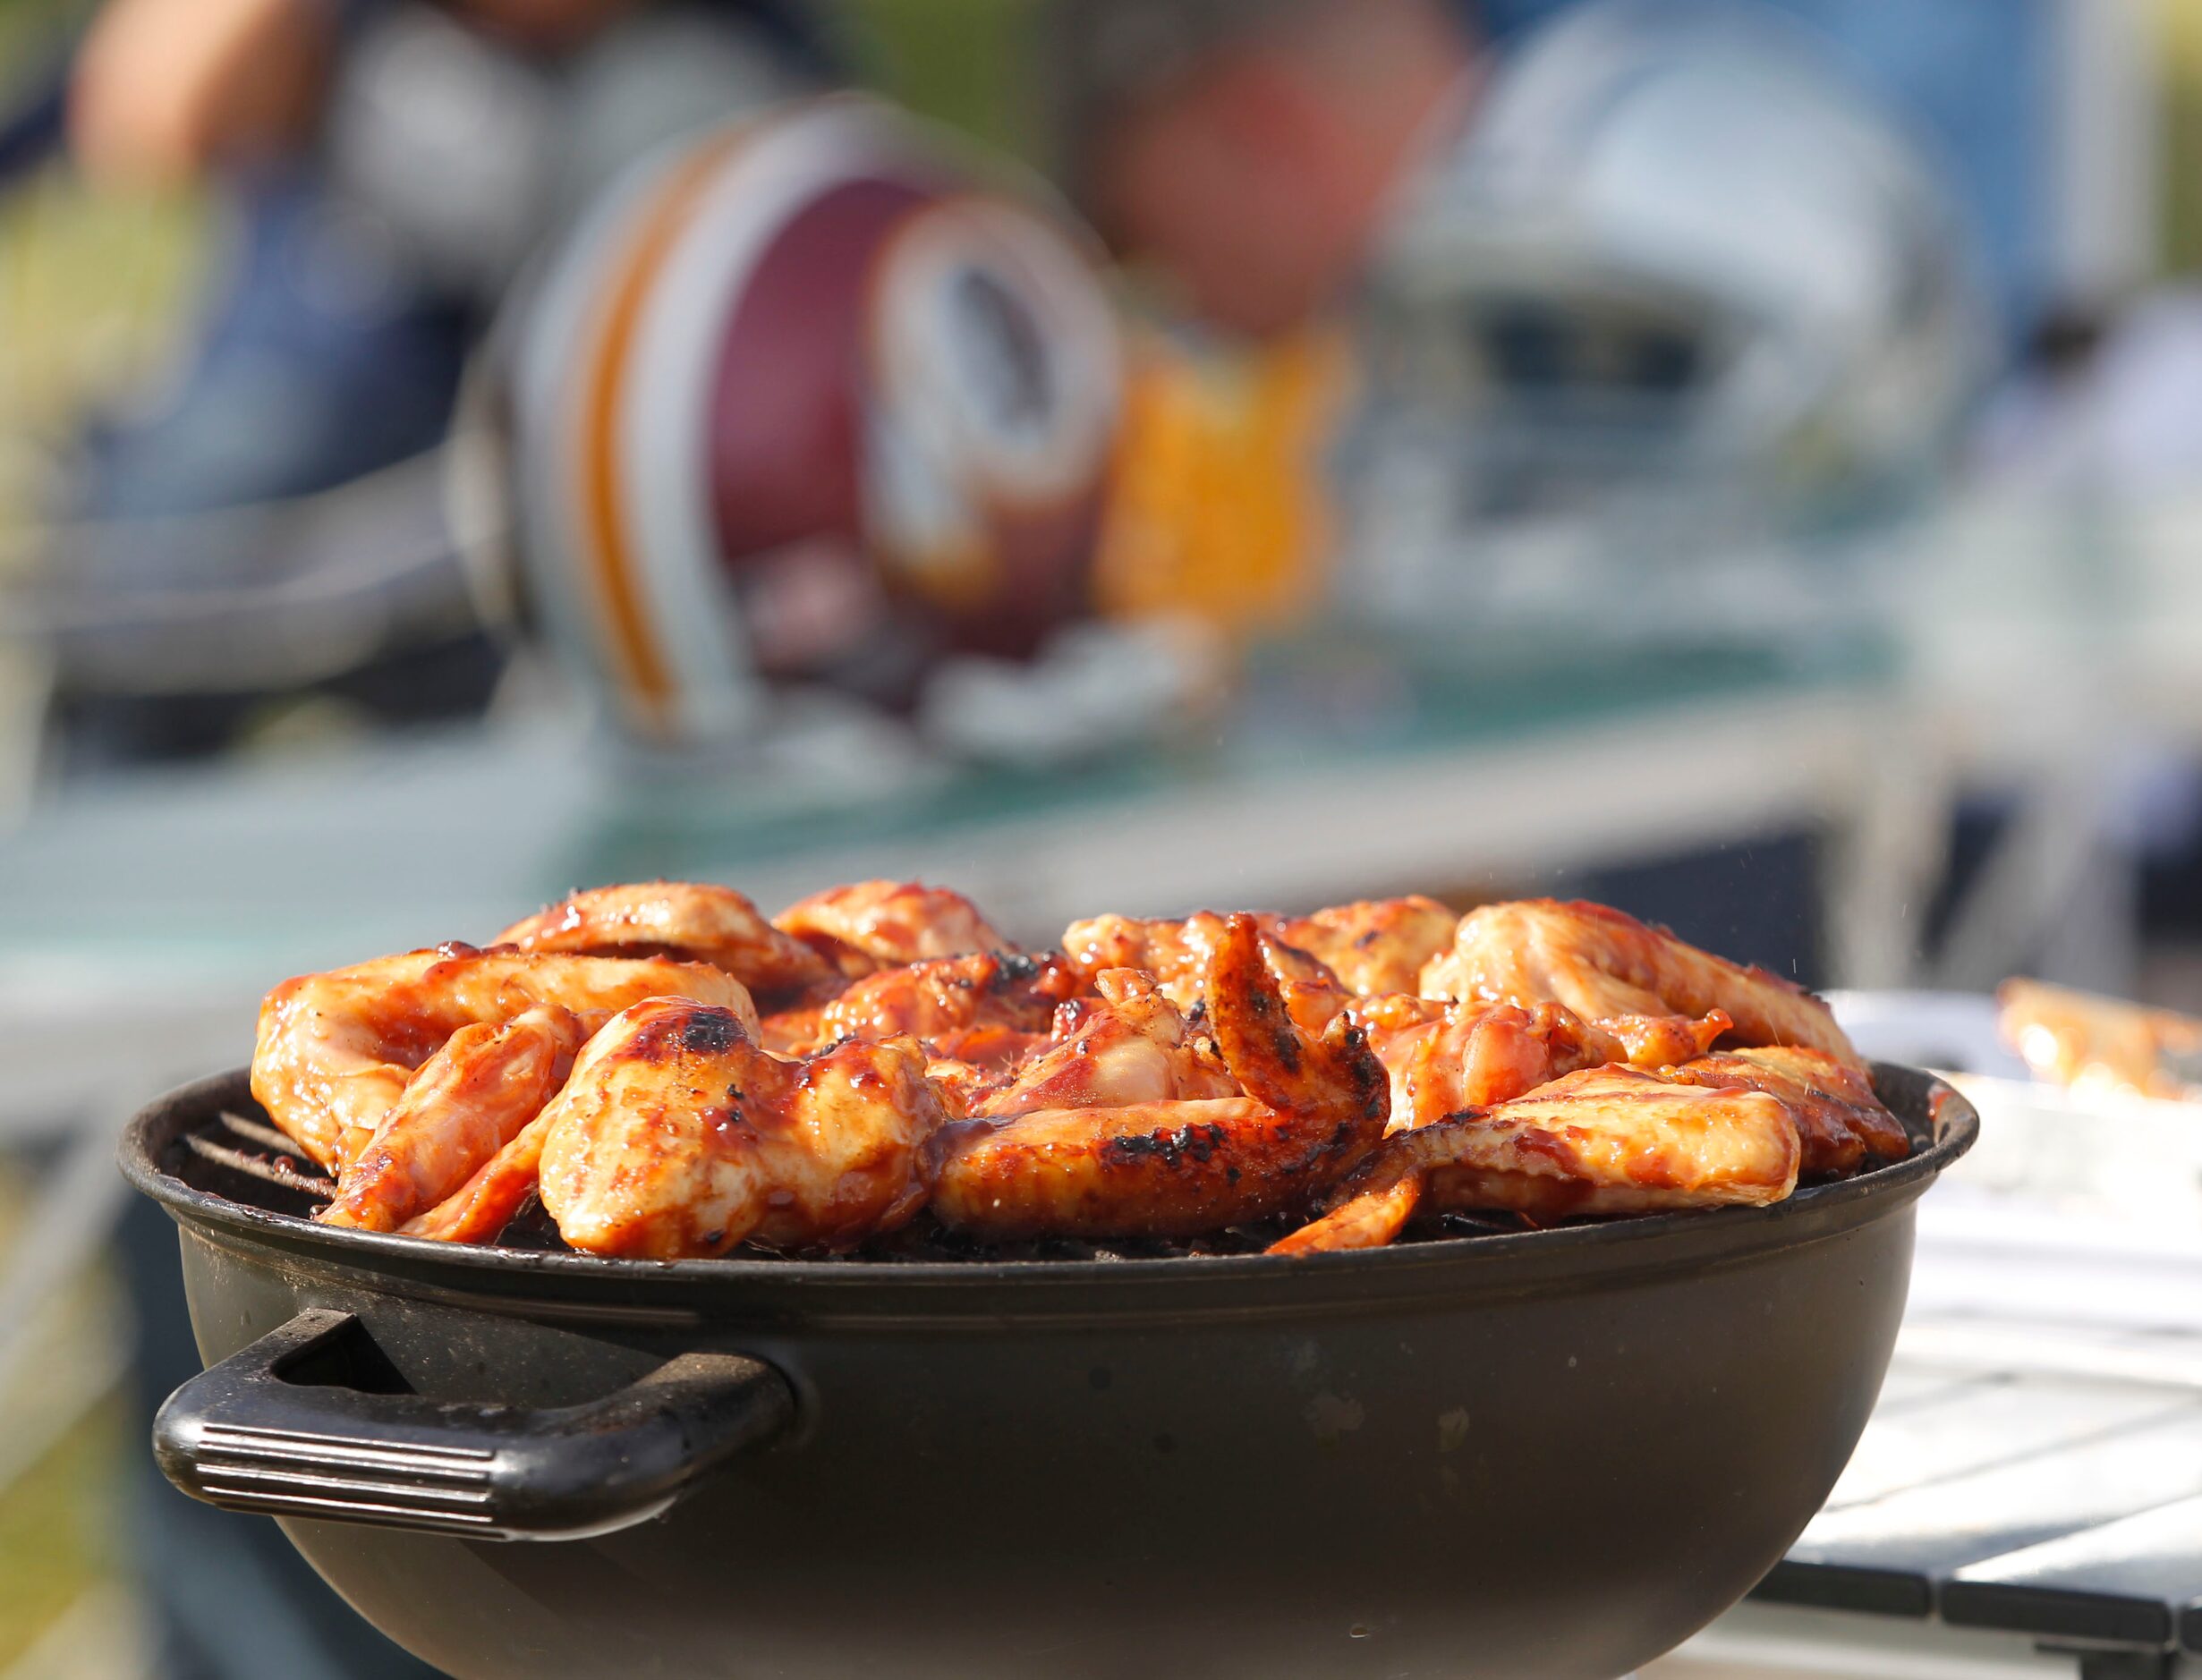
(94, 289)
(60, 1528)
(2180, 38)
(964, 62)
(61, 1520)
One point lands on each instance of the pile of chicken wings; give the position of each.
(673, 1075)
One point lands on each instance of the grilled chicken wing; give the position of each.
(1616, 1141)
(689, 921)
(337, 1050)
(481, 1209)
(952, 1002)
(1442, 1058)
(1171, 1165)
(1600, 1141)
(872, 925)
(466, 1102)
(1134, 1048)
(1375, 1206)
(1377, 947)
(1839, 1122)
(1179, 955)
(1600, 963)
(678, 1136)
(978, 1016)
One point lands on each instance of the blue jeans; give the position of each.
(319, 361)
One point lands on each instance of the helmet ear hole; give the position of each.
(995, 392)
(802, 400)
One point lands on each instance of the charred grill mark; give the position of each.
(1317, 1166)
(1015, 969)
(712, 1032)
(687, 1029)
(1365, 1071)
(1275, 1025)
(1194, 1142)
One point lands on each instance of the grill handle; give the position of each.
(285, 1428)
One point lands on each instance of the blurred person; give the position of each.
(1243, 156)
(385, 167)
(1247, 152)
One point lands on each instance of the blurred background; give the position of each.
(1739, 459)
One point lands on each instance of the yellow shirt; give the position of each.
(1220, 505)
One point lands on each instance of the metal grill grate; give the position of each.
(277, 1163)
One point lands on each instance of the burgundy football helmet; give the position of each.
(808, 398)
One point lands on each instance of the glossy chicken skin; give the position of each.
(1376, 1205)
(952, 1003)
(687, 921)
(1600, 963)
(1442, 1058)
(466, 1102)
(677, 1136)
(1657, 1042)
(977, 1015)
(872, 925)
(1840, 1123)
(1613, 1140)
(480, 1209)
(1172, 1165)
(336, 1050)
(1179, 954)
(1376, 947)
(1135, 1048)
(1601, 1140)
